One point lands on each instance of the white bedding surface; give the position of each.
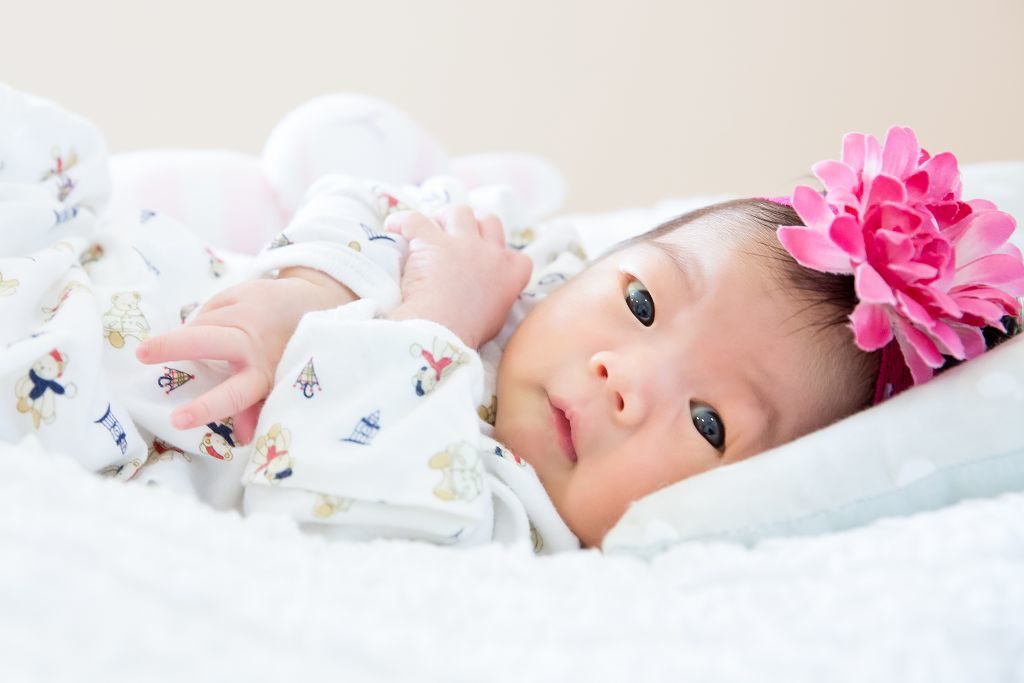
(103, 582)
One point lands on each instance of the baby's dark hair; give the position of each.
(828, 298)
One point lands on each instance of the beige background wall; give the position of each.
(634, 100)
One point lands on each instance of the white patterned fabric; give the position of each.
(82, 289)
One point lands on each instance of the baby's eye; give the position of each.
(640, 302)
(709, 424)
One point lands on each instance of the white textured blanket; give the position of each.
(105, 582)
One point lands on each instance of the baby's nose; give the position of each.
(625, 385)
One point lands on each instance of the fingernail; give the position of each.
(182, 420)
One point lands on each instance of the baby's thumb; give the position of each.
(522, 267)
(245, 422)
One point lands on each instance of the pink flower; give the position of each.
(929, 269)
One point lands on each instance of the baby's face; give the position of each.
(725, 368)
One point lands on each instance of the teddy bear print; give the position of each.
(91, 255)
(35, 392)
(545, 283)
(61, 165)
(271, 454)
(123, 472)
(125, 319)
(187, 310)
(520, 239)
(8, 287)
(216, 264)
(327, 506)
(51, 311)
(488, 413)
(161, 451)
(218, 442)
(461, 475)
(536, 539)
(437, 364)
(387, 203)
(505, 453)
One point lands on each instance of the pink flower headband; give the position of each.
(930, 270)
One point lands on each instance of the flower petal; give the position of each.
(846, 232)
(871, 287)
(925, 348)
(981, 204)
(938, 302)
(919, 370)
(814, 250)
(914, 311)
(913, 271)
(983, 233)
(972, 339)
(885, 189)
(835, 175)
(949, 339)
(871, 327)
(994, 269)
(917, 185)
(872, 158)
(1007, 302)
(853, 151)
(986, 310)
(944, 177)
(900, 152)
(812, 208)
(843, 201)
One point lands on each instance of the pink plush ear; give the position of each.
(538, 184)
(222, 196)
(349, 134)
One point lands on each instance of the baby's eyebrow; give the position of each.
(685, 262)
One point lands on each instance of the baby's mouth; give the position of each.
(563, 433)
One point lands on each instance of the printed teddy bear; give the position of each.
(438, 363)
(461, 472)
(8, 287)
(37, 389)
(125, 319)
(271, 454)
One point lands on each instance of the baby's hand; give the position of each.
(248, 326)
(458, 272)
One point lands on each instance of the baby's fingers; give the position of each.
(196, 342)
(491, 228)
(459, 220)
(230, 397)
(412, 225)
(245, 422)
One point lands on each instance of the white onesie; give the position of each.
(374, 428)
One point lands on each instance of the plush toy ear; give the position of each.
(349, 134)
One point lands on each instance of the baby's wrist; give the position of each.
(410, 311)
(329, 293)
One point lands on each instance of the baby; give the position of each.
(405, 373)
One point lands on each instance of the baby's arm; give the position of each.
(372, 427)
(332, 252)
